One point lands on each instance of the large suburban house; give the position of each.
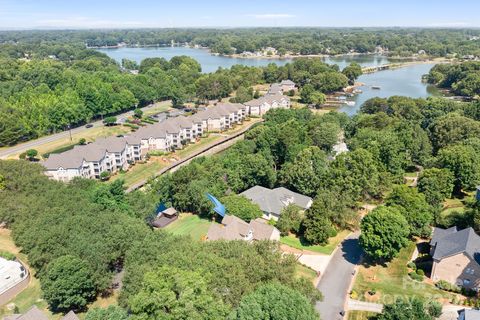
(456, 257)
(36, 314)
(234, 228)
(273, 201)
(118, 153)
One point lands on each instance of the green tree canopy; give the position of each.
(68, 284)
(384, 232)
(274, 302)
(411, 308)
(436, 184)
(413, 206)
(111, 313)
(172, 293)
(241, 207)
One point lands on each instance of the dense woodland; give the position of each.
(399, 41)
(462, 79)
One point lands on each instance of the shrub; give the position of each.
(82, 141)
(447, 286)
(420, 272)
(372, 292)
(354, 295)
(415, 276)
(7, 255)
(105, 175)
(412, 265)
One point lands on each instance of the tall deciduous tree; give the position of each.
(436, 184)
(241, 207)
(413, 206)
(171, 293)
(68, 284)
(274, 302)
(384, 232)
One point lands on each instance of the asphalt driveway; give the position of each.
(336, 280)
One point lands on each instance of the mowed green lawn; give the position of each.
(189, 224)
(360, 315)
(298, 243)
(392, 280)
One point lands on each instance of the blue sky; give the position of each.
(24, 14)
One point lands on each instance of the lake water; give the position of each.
(406, 81)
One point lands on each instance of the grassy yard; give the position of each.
(159, 107)
(140, 171)
(360, 315)
(192, 148)
(306, 272)
(190, 224)
(33, 293)
(297, 243)
(392, 281)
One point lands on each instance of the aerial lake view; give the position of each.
(405, 81)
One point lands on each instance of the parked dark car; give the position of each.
(89, 125)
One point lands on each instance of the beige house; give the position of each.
(234, 228)
(456, 257)
(36, 314)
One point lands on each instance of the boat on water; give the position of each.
(376, 87)
(357, 91)
(350, 103)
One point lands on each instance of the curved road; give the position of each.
(337, 278)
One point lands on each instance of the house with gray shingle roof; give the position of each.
(234, 228)
(456, 257)
(273, 201)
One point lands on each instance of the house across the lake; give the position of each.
(273, 201)
(456, 257)
(234, 228)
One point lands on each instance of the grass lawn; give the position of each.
(33, 293)
(360, 315)
(190, 224)
(297, 243)
(140, 171)
(159, 107)
(410, 174)
(392, 281)
(306, 272)
(191, 148)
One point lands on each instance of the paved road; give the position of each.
(335, 283)
(64, 134)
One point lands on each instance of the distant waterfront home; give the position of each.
(35, 314)
(234, 228)
(260, 106)
(456, 257)
(468, 314)
(273, 201)
(287, 85)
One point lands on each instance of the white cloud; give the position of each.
(271, 16)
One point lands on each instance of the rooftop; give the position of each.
(234, 228)
(449, 242)
(274, 200)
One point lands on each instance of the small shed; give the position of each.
(165, 217)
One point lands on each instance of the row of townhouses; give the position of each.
(118, 153)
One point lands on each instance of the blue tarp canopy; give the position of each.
(219, 207)
(161, 207)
